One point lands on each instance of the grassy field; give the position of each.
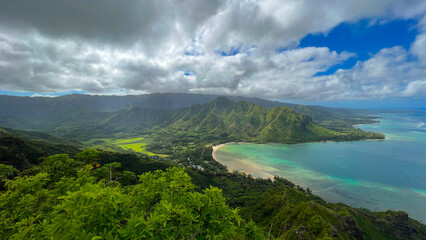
(134, 144)
(131, 140)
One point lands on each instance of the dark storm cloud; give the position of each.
(120, 22)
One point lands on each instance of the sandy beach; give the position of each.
(242, 165)
(215, 148)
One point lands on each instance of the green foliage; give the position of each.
(132, 162)
(198, 155)
(127, 178)
(137, 145)
(173, 210)
(38, 137)
(22, 204)
(109, 173)
(88, 156)
(98, 195)
(387, 225)
(94, 210)
(60, 165)
(7, 172)
(163, 205)
(244, 121)
(73, 114)
(291, 212)
(216, 119)
(24, 153)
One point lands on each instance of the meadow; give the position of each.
(137, 145)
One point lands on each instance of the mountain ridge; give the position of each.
(245, 121)
(17, 106)
(220, 119)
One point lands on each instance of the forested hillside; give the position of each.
(105, 195)
(220, 119)
(244, 121)
(23, 149)
(32, 113)
(171, 188)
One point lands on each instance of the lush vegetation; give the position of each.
(80, 199)
(22, 153)
(137, 145)
(153, 175)
(243, 121)
(208, 117)
(106, 195)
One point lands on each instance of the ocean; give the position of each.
(373, 174)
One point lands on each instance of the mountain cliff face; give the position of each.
(249, 122)
(15, 111)
(220, 119)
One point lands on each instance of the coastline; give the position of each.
(249, 168)
(259, 171)
(215, 148)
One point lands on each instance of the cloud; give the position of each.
(391, 72)
(415, 88)
(109, 47)
(419, 46)
(108, 20)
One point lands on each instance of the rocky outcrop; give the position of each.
(400, 221)
(352, 228)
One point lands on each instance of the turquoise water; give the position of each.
(375, 174)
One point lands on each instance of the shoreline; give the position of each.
(215, 148)
(250, 168)
(266, 174)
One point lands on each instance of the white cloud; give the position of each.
(418, 48)
(415, 88)
(388, 73)
(139, 47)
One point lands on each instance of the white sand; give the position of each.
(243, 165)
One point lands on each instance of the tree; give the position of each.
(7, 172)
(163, 205)
(88, 156)
(127, 178)
(107, 172)
(60, 165)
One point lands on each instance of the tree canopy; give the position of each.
(70, 200)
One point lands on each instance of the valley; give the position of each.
(213, 120)
(123, 143)
(137, 145)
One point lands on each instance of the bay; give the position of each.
(373, 174)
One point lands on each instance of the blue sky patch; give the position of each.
(232, 52)
(348, 64)
(24, 93)
(188, 72)
(192, 53)
(364, 39)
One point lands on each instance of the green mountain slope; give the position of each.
(31, 113)
(37, 136)
(221, 120)
(23, 149)
(291, 212)
(244, 121)
(57, 197)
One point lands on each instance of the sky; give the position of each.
(331, 52)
